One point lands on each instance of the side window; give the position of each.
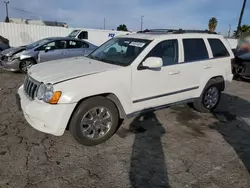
(218, 48)
(194, 50)
(83, 45)
(55, 45)
(83, 35)
(167, 50)
(72, 44)
(77, 44)
(51, 44)
(61, 44)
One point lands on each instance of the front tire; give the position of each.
(25, 64)
(94, 121)
(209, 98)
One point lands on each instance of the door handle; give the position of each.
(208, 67)
(174, 72)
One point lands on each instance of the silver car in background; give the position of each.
(48, 49)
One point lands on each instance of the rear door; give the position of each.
(193, 65)
(220, 61)
(76, 48)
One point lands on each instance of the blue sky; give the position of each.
(191, 14)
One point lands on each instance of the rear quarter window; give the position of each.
(194, 50)
(218, 48)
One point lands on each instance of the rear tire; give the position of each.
(25, 64)
(209, 98)
(94, 121)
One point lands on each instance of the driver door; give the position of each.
(55, 52)
(153, 88)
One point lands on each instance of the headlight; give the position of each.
(46, 93)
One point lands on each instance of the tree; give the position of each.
(212, 24)
(242, 29)
(241, 16)
(122, 27)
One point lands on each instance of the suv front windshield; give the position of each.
(37, 43)
(120, 51)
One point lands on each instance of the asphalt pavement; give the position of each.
(176, 147)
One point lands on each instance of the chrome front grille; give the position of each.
(30, 87)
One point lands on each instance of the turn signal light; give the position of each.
(55, 97)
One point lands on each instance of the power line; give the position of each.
(28, 12)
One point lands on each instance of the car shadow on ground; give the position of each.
(233, 114)
(148, 168)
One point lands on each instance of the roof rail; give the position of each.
(175, 31)
(157, 30)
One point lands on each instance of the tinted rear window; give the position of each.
(218, 48)
(195, 50)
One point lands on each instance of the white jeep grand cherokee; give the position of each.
(125, 76)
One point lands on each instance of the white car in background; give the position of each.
(96, 36)
(126, 76)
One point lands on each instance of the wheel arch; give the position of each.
(28, 57)
(21, 60)
(110, 96)
(219, 79)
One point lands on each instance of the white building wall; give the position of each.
(23, 34)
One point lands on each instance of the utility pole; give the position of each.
(104, 24)
(241, 15)
(7, 12)
(142, 22)
(229, 31)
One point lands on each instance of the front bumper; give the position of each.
(47, 118)
(10, 65)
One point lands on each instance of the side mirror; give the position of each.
(48, 48)
(152, 63)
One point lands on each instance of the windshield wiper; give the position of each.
(95, 58)
(104, 60)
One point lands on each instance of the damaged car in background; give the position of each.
(4, 43)
(241, 65)
(48, 49)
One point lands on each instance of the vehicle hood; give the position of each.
(11, 51)
(67, 69)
